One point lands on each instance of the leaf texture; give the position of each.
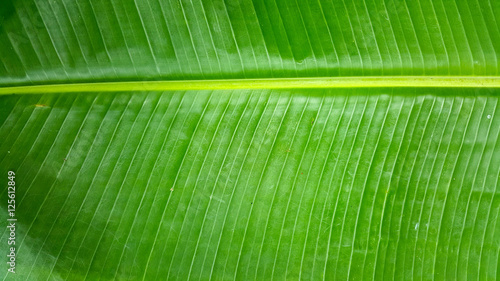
(133, 163)
(117, 40)
(332, 184)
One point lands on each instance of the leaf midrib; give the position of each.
(264, 83)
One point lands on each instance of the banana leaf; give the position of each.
(250, 140)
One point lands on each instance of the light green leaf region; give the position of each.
(251, 140)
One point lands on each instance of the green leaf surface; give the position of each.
(120, 40)
(251, 140)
